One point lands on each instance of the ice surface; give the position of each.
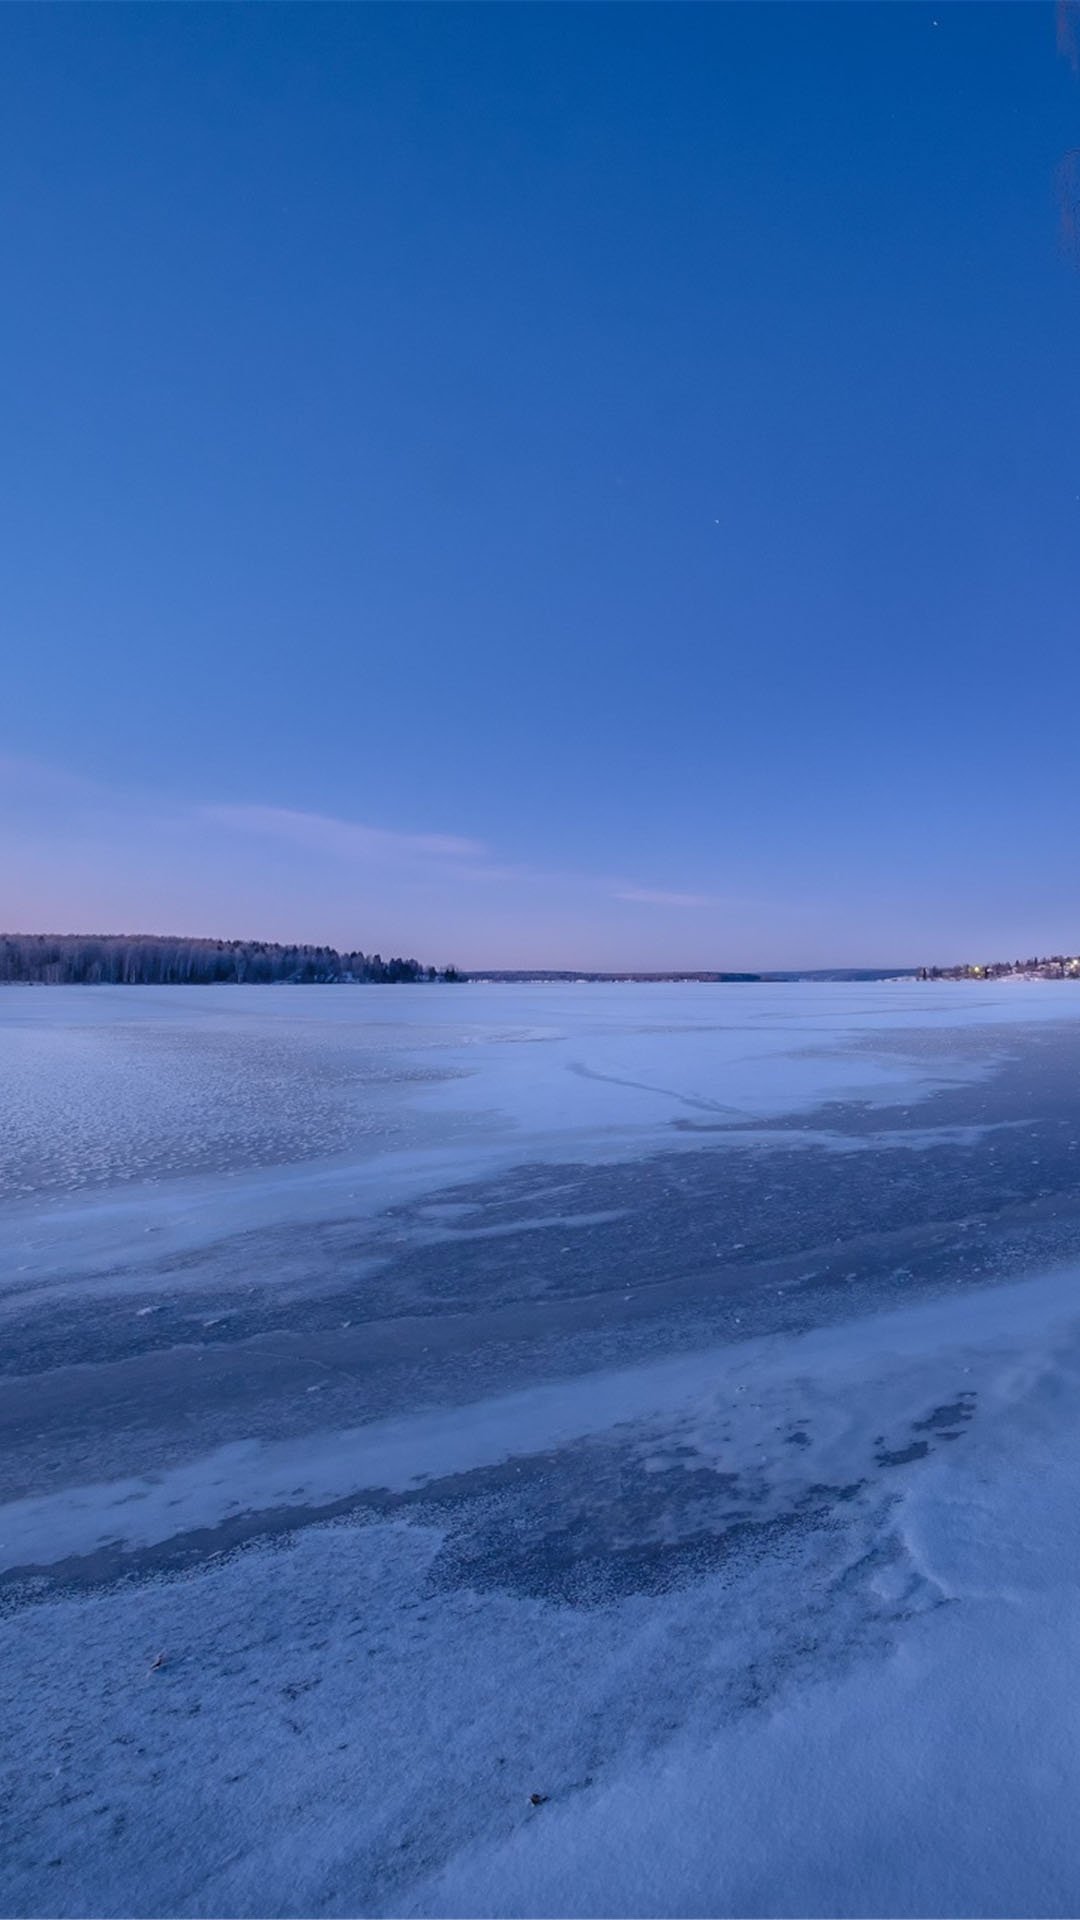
(481, 1433)
(193, 1113)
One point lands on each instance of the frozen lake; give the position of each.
(658, 1400)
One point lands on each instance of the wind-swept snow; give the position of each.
(507, 1499)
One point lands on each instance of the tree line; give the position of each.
(1052, 966)
(75, 959)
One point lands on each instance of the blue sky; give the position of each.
(542, 484)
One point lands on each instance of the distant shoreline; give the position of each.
(569, 976)
(135, 960)
(1057, 966)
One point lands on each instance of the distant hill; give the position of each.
(537, 975)
(150, 959)
(540, 974)
(848, 973)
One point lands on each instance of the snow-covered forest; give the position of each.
(76, 959)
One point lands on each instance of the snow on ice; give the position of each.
(589, 1451)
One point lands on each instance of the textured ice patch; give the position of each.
(780, 1415)
(143, 1123)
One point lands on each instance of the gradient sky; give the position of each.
(541, 484)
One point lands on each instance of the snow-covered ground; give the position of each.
(592, 1450)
